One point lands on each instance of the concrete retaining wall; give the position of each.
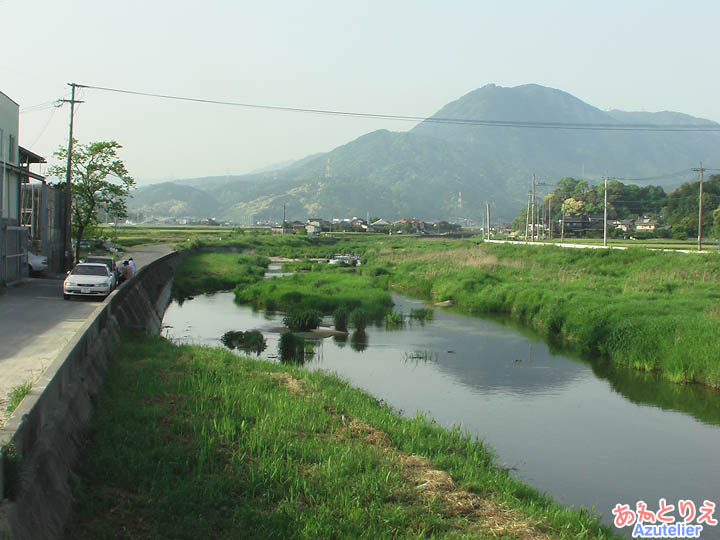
(46, 430)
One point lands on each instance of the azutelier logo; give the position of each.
(663, 522)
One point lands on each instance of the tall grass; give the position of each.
(324, 291)
(201, 272)
(192, 442)
(651, 310)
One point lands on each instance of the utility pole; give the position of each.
(550, 219)
(527, 219)
(67, 242)
(487, 211)
(532, 215)
(605, 218)
(562, 226)
(700, 207)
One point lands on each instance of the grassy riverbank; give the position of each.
(201, 272)
(191, 442)
(650, 310)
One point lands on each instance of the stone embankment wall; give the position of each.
(43, 438)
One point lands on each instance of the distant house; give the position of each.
(313, 230)
(575, 225)
(625, 225)
(412, 225)
(323, 224)
(646, 224)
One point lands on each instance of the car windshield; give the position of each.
(89, 271)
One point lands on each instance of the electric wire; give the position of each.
(433, 119)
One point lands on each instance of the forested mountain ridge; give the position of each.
(421, 173)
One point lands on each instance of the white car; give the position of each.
(89, 279)
(36, 263)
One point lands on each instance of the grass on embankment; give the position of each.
(200, 272)
(325, 289)
(192, 442)
(650, 310)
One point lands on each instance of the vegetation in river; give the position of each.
(324, 291)
(302, 320)
(394, 320)
(649, 310)
(340, 318)
(250, 341)
(422, 314)
(201, 272)
(229, 447)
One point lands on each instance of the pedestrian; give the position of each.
(132, 263)
(127, 271)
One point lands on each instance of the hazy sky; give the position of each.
(396, 57)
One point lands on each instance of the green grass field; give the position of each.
(193, 442)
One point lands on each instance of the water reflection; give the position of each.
(359, 341)
(642, 387)
(340, 339)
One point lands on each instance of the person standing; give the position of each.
(132, 263)
(127, 271)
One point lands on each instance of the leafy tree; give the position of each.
(682, 206)
(92, 189)
(572, 206)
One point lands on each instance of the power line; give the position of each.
(437, 120)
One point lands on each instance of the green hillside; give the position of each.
(421, 173)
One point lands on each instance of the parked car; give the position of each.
(89, 279)
(36, 263)
(107, 261)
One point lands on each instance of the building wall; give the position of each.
(12, 241)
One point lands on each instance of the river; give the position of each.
(585, 433)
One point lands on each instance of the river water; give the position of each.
(582, 432)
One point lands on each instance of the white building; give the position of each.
(14, 171)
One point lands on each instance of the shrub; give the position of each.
(340, 318)
(303, 320)
(250, 341)
(395, 319)
(422, 314)
(359, 319)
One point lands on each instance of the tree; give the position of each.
(92, 190)
(572, 206)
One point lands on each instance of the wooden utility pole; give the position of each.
(527, 218)
(562, 227)
(532, 213)
(487, 210)
(67, 240)
(550, 219)
(700, 207)
(605, 217)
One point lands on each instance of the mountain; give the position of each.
(422, 172)
(175, 200)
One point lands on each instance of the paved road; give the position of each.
(36, 323)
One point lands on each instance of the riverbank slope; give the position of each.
(211, 444)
